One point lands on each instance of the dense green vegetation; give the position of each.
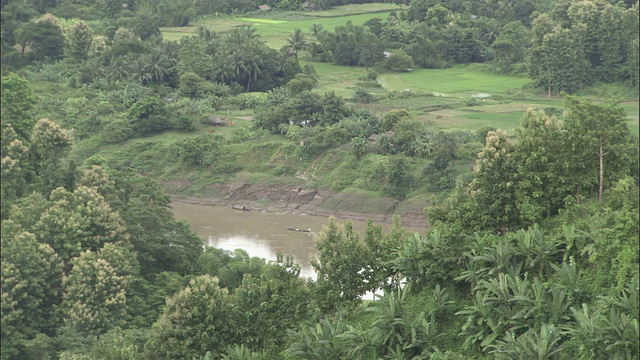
(509, 121)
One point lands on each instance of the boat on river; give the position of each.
(299, 230)
(242, 208)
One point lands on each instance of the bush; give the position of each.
(362, 96)
(370, 75)
(302, 82)
(399, 61)
(183, 123)
(369, 84)
(148, 116)
(197, 151)
(193, 86)
(392, 117)
(117, 132)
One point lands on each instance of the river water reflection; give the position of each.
(259, 234)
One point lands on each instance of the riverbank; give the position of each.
(325, 203)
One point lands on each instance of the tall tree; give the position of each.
(194, 58)
(13, 156)
(272, 302)
(493, 189)
(162, 243)
(195, 320)
(47, 150)
(558, 63)
(17, 105)
(510, 46)
(47, 38)
(36, 272)
(96, 288)
(343, 267)
(79, 41)
(540, 158)
(77, 221)
(598, 132)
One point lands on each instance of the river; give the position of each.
(259, 234)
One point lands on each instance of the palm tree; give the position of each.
(237, 66)
(224, 73)
(139, 71)
(245, 66)
(240, 37)
(156, 66)
(119, 70)
(296, 43)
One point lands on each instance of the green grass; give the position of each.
(340, 79)
(353, 9)
(454, 81)
(475, 121)
(275, 31)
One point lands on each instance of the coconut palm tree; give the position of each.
(119, 70)
(156, 66)
(139, 71)
(296, 43)
(253, 65)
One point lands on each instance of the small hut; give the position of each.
(264, 7)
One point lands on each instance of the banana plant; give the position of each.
(318, 342)
(539, 251)
(536, 345)
(397, 331)
(361, 343)
(481, 328)
(498, 257)
(559, 305)
(621, 335)
(573, 239)
(567, 275)
(476, 268)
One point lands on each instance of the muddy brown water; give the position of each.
(259, 234)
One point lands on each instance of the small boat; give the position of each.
(242, 208)
(300, 230)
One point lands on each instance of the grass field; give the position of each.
(275, 27)
(454, 81)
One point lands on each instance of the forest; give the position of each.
(532, 250)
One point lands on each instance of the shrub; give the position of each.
(148, 116)
(362, 96)
(183, 123)
(117, 132)
(399, 61)
(197, 151)
(370, 75)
